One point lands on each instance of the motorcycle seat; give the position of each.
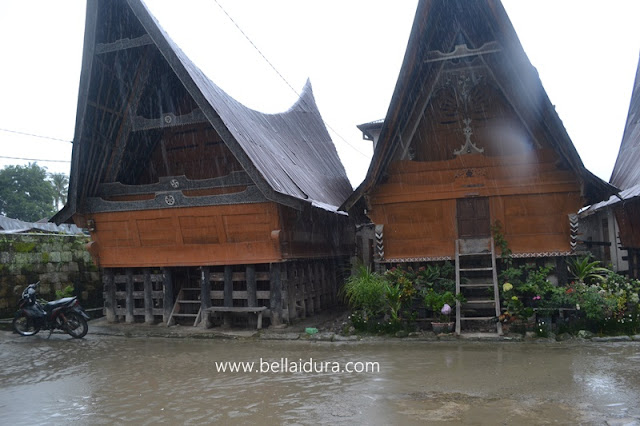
(61, 302)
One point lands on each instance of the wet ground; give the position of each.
(106, 379)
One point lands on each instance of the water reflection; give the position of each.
(108, 380)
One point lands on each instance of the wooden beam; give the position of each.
(129, 318)
(130, 108)
(276, 294)
(148, 298)
(168, 120)
(122, 44)
(110, 295)
(228, 286)
(167, 290)
(171, 183)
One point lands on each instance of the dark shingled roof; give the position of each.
(290, 155)
(626, 172)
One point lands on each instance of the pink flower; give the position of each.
(446, 309)
(536, 297)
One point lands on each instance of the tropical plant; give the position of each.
(365, 290)
(25, 193)
(60, 183)
(587, 271)
(438, 302)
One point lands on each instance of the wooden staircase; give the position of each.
(187, 303)
(477, 281)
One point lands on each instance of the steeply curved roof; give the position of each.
(292, 150)
(289, 156)
(435, 23)
(626, 172)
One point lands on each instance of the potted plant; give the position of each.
(441, 304)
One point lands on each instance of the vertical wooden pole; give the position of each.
(252, 298)
(110, 295)
(167, 300)
(276, 295)
(302, 289)
(291, 292)
(310, 285)
(129, 318)
(228, 293)
(205, 295)
(148, 298)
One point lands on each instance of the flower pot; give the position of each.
(442, 327)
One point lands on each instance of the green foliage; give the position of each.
(500, 241)
(587, 271)
(365, 290)
(435, 301)
(60, 183)
(25, 193)
(65, 292)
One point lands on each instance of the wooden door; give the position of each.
(473, 217)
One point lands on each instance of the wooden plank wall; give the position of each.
(528, 193)
(192, 236)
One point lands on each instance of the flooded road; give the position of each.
(117, 380)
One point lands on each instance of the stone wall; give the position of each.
(57, 261)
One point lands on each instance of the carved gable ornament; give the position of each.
(463, 74)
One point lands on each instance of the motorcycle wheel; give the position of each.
(24, 326)
(76, 325)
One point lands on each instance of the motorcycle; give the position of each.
(64, 314)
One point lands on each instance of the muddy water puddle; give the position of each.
(114, 380)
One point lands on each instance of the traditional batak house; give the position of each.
(611, 229)
(471, 140)
(195, 202)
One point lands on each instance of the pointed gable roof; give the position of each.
(289, 156)
(626, 172)
(444, 29)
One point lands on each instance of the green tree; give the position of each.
(25, 193)
(60, 183)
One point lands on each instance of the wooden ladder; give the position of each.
(187, 296)
(476, 272)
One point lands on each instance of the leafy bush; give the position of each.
(365, 290)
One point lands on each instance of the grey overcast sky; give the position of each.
(586, 52)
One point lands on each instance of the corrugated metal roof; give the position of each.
(626, 172)
(292, 150)
(625, 195)
(15, 226)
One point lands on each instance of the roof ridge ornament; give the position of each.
(462, 51)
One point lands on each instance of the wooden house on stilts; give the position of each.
(471, 140)
(611, 229)
(194, 201)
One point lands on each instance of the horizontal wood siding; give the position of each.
(214, 235)
(314, 232)
(528, 193)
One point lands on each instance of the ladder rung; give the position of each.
(480, 301)
(477, 285)
(476, 269)
(191, 289)
(185, 315)
(189, 301)
(485, 253)
(476, 318)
